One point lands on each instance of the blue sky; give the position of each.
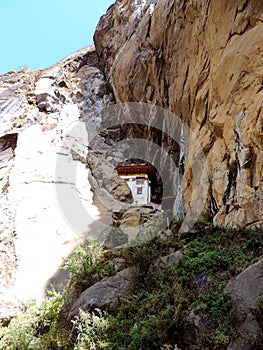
(39, 33)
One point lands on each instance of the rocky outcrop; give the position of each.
(202, 61)
(43, 149)
(245, 290)
(107, 291)
(8, 262)
(165, 261)
(99, 166)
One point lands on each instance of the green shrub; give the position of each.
(106, 88)
(20, 333)
(82, 259)
(28, 329)
(154, 314)
(91, 329)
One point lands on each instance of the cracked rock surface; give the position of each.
(43, 151)
(203, 61)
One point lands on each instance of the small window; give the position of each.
(139, 190)
(139, 180)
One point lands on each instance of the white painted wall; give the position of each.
(133, 182)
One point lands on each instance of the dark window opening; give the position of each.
(139, 190)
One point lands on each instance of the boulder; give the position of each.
(244, 291)
(106, 176)
(131, 218)
(246, 287)
(115, 238)
(107, 291)
(120, 189)
(194, 326)
(165, 261)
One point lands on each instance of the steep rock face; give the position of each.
(245, 290)
(8, 257)
(202, 61)
(43, 148)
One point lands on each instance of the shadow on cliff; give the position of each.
(96, 231)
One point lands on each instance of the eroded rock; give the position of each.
(204, 64)
(107, 291)
(244, 291)
(165, 261)
(44, 138)
(247, 286)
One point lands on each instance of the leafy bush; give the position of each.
(20, 333)
(28, 328)
(83, 258)
(91, 328)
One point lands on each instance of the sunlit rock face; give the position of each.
(43, 149)
(202, 60)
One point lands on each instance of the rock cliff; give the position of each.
(201, 60)
(43, 167)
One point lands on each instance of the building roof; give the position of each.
(136, 169)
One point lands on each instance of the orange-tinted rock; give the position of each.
(203, 61)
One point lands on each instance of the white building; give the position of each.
(138, 181)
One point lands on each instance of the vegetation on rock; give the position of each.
(185, 304)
